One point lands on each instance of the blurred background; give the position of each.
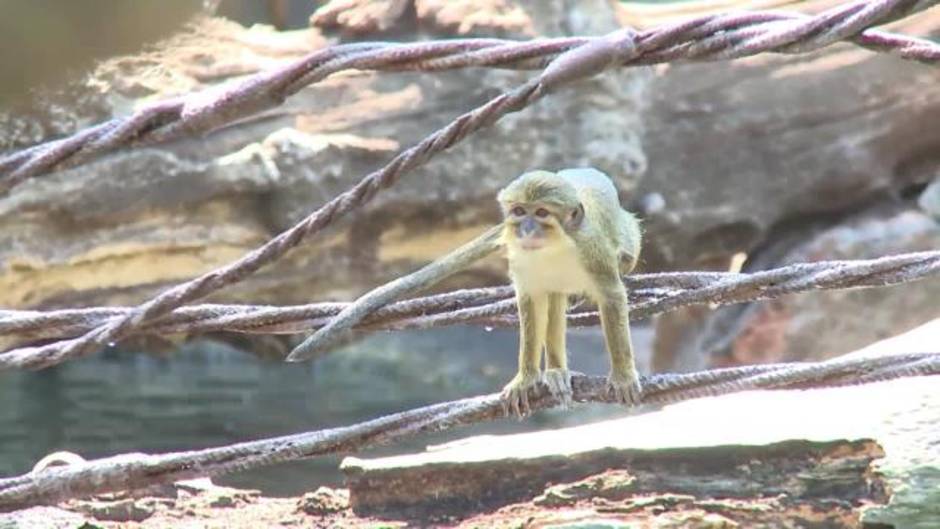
(48, 42)
(742, 165)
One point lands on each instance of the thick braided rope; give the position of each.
(134, 471)
(589, 59)
(650, 294)
(704, 38)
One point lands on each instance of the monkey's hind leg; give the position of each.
(533, 323)
(623, 381)
(556, 375)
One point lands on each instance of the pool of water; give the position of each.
(209, 395)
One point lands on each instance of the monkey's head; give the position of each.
(540, 208)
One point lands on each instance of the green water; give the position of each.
(209, 395)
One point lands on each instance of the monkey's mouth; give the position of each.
(531, 244)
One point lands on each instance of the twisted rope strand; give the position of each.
(617, 48)
(704, 38)
(650, 294)
(135, 471)
(236, 271)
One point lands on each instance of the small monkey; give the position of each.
(563, 233)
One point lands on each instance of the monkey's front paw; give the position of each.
(625, 389)
(559, 384)
(515, 395)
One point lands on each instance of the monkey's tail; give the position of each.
(340, 327)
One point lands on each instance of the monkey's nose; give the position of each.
(529, 228)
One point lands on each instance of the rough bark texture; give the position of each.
(718, 158)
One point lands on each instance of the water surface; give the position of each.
(208, 394)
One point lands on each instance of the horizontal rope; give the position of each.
(136, 471)
(704, 38)
(650, 294)
(710, 37)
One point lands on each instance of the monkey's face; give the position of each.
(539, 209)
(534, 226)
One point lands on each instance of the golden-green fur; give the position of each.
(584, 255)
(564, 233)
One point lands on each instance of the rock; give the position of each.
(614, 484)
(43, 518)
(184, 209)
(496, 18)
(718, 155)
(229, 497)
(596, 523)
(485, 475)
(929, 200)
(324, 500)
(360, 16)
(117, 511)
(194, 486)
(821, 324)
(739, 148)
(771, 463)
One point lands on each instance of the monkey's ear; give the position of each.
(575, 217)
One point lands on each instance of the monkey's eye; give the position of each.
(518, 211)
(541, 212)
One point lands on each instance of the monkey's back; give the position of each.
(587, 180)
(602, 205)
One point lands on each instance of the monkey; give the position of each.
(563, 234)
(566, 233)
